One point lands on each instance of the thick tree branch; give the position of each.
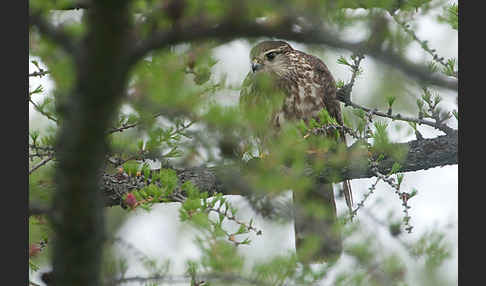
(98, 87)
(231, 29)
(85, 4)
(35, 209)
(422, 155)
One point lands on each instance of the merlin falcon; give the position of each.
(306, 87)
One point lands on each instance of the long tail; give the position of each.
(312, 225)
(348, 195)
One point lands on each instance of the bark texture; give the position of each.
(422, 155)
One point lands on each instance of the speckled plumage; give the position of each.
(307, 86)
(305, 80)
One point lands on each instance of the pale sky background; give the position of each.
(159, 234)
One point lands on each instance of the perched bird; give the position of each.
(304, 86)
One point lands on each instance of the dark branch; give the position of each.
(231, 29)
(344, 95)
(441, 126)
(225, 277)
(422, 155)
(57, 35)
(85, 4)
(35, 209)
(41, 163)
(40, 73)
(76, 6)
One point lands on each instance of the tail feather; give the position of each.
(311, 225)
(348, 195)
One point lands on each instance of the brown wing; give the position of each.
(333, 107)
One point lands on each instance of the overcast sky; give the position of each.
(159, 234)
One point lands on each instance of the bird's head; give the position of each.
(270, 57)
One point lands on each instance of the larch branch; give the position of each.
(232, 29)
(229, 180)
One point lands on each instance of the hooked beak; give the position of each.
(255, 66)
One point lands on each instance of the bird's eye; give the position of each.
(271, 56)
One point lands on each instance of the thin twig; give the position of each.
(440, 126)
(371, 189)
(122, 128)
(40, 151)
(39, 155)
(39, 73)
(403, 196)
(344, 95)
(423, 44)
(128, 126)
(324, 129)
(233, 218)
(39, 109)
(43, 148)
(41, 163)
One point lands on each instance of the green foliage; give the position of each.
(362, 252)
(131, 168)
(415, 4)
(428, 106)
(450, 68)
(259, 100)
(325, 118)
(433, 66)
(222, 257)
(168, 178)
(154, 193)
(362, 121)
(395, 168)
(38, 89)
(342, 61)
(456, 114)
(160, 82)
(450, 15)
(339, 84)
(39, 233)
(175, 89)
(390, 100)
(433, 248)
(399, 178)
(383, 145)
(395, 268)
(60, 67)
(277, 270)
